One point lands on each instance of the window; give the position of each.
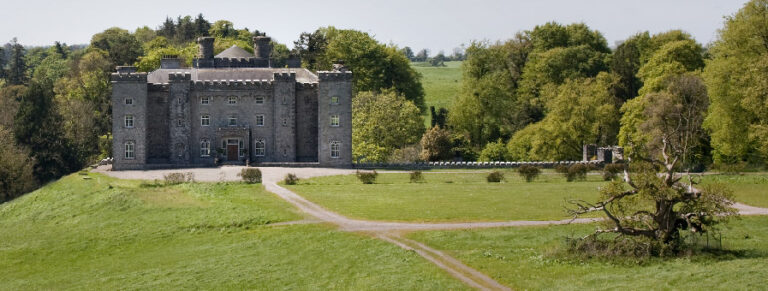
(259, 120)
(232, 100)
(129, 121)
(179, 122)
(232, 121)
(334, 100)
(129, 153)
(259, 99)
(259, 147)
(205, 148)
(335, 149)
(285, 122)
(128, 101)
(205, 120)
(205, 100)
(241, 148)
(180, 150)
(335, 120)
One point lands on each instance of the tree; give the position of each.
(222, 28)
(422, 55)
(408, 53)
(581, 111)
(672, 59)
(2, 64)
(311, 47)
(494, 151)
(202, 26)
(167, 29)
(438, 60)
(16, 173)
(381, 123)
(17, 66)
(653, 202)
(736, 80)
(123, 47)
(436, 145)
(144, 34)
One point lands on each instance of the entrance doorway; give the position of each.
(233, 148)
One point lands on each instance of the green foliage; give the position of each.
(406, 154)
(290, 179)
(416, 177)
(495, 177)
(736, 80)
(151, 60)
(122, 47)
(610, 171)
(529, 172)
(367, 177)
(222, 29)
(377, 67)
(494, 151)
(17, 66)
(250, 175)
(381, 123)
(575, 172)
(581, 111)
(16, 168)
(672, 59)
(436, 145)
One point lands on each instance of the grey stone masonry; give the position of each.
(234, 111)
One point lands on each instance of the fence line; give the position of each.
(467, 165)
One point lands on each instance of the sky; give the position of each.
(435, 25)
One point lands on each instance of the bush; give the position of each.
(611, 170)
(436, 145)
(494, 151)
(417, 177)
(407, 154)
(178, 178)
(290, 179)
(250, 175)
(574, 172)
(528, 172)
(495, 177)
(367, 177)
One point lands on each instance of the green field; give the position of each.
(522, 259)
(100, 233)
(750, 189)
(441, 84)
(448, 197)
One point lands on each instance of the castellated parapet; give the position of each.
(129, 77)
(179, 77)
(285, 77)
(334, 76)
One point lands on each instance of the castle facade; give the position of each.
(231, 108)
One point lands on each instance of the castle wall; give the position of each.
(158, 126)
(306, 122)
(129, 86)
(179, 118)
(284, 86)
(338, 84)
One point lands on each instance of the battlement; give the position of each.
(179, 77)
(334, 76)
(158, 87)
(285, 77)
(234, 62)
(306, 86)
(129, 77)
(232, 84)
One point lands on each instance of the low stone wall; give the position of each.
(467, 165)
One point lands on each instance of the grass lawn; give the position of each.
(441, 84)
(521, 258)
(96, 232)
(750, 189)
(448, 196)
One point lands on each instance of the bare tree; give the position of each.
(654, 200)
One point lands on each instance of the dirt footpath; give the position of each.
(224, 173)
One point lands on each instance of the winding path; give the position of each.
(387, 231)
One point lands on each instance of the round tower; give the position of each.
(205, 47)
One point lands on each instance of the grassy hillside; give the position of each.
(441, 84)
(95, 232)
(521, 258)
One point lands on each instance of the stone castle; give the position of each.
(232, 108)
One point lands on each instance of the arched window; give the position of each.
(259, 148)
(129, 121)
(205, 148)
(129, 150)
(335, 149)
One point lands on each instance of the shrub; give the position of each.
(528, 172)
(178, 178)
(436, 145)
(290, 179)
(417, 177)
(367, 177)
(250, 175)
(611, 170)
(577, 172)
(494, 151)
(495, 177)
(407, 154)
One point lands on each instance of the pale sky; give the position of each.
(436, 25)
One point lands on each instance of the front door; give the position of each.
(232, 152)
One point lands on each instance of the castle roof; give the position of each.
(235, 52)
(160, 76)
